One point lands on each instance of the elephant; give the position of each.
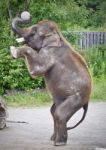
(47, 53)
(3, 113)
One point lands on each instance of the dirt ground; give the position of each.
(90, 135)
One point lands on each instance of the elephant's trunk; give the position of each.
(17, 29)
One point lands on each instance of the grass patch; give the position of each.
(34, 98)
(29, 98)
(99, 89)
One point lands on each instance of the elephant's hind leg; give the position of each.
(62, 114)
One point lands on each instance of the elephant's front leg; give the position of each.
(15, 53)
(22, 52)
(27, 53)
(37, 63)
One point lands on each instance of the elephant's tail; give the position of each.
(85, 107)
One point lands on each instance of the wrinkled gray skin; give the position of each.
(65, 72)
(3, 114)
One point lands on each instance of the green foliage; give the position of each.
(28, 98)
(19, 78)
(99, 89)
(97, 12)
(96, 59)
(14, 74)
(71, 37)
(66, 14)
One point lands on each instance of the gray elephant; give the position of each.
(3, 113)
(65, 72)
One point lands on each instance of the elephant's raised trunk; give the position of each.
(17, 29)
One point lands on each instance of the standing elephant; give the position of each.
(66, 74)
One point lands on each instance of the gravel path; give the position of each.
(90, 135)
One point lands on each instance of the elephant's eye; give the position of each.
(30, 36)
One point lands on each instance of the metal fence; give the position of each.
(86, 40)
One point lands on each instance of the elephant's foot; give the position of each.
(60, 141)
(13, 51)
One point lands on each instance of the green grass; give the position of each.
(28, 98)
(99, 89)
(34, 98)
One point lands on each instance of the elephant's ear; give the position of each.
(52, 39)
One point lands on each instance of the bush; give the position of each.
(99, 89)
(71, 37)
(96, 59)
(14, 74)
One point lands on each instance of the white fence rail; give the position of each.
(89, 39)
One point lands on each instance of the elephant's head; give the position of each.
(39, 35)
